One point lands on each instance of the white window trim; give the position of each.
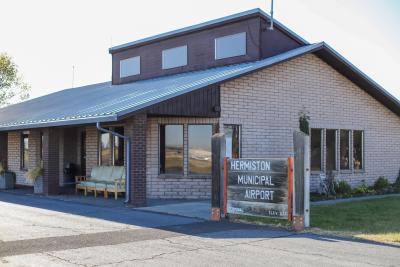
(226, 36)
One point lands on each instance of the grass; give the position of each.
(377, 220)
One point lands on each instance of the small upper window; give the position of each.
(230, 46)
(174, 57)
(129, 67)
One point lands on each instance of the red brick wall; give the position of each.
(51, 139)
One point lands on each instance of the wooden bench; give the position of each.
(106, 179)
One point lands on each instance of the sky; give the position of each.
(46, 38)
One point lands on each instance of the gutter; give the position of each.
(127, 159)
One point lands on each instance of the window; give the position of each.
(129, 67)
(344, 149)
(25, 151)
(331, 150)
(232, 139)
(230, 46)
(200, 149)
(171, 149)
(105, 149)
(316, 149)
(358, 146)
(119, 148)
(112, 148)
(174, 57)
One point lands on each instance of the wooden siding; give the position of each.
(200, 51)
(201, 103)
(274, 42)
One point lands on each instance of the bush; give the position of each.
(33, 174)
(342, 187)
(381, 184)
(363, 189)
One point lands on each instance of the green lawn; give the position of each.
(377, 220)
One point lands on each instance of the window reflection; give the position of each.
(316, 155)
(358, 150)
(232, 139)
(200, 149)
(344, 149)
(171, 146)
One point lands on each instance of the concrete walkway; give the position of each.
(200, 209)
(352, 199)
(41, 231)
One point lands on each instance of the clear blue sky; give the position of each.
(46, 38)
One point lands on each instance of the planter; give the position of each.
(38, 185)
(7, 180)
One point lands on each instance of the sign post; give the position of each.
(259, 187)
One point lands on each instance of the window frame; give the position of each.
(163, 57)
(362, 151)
(350, 143)
(322, 146)
(216, 57)
(240, 136)
(189, 174)
(160, 150)
(24, 165)
(336, 131)
(111, 139)
(130, 74)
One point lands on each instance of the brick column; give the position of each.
(136, 129)
(51, 162)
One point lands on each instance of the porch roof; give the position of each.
(105, 102)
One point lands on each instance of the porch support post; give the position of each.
(51, 161)
(136, 129)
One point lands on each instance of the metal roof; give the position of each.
(105, 102)
(211, 23)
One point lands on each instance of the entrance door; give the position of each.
(83, 153)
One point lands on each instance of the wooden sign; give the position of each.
(258, 187)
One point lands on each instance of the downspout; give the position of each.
(127, 159)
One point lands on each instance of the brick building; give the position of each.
(169, 94)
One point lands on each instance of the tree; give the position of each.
(11, 84)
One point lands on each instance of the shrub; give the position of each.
(34, 173)
(381, 183)
(363, 189)
(342, 187)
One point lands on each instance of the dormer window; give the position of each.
(230, 46)
(129, 67)
(174, 57)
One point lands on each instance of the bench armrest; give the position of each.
(80, 178)
(119, 181)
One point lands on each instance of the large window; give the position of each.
(174, 57)
(316, 149)
(129, 67)
(230, 46)
(24, 151)
(112, 148)
(344, 149)
(171, 149)
(358, 145)
(199, 149)
(330, 150)
(232, 139)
